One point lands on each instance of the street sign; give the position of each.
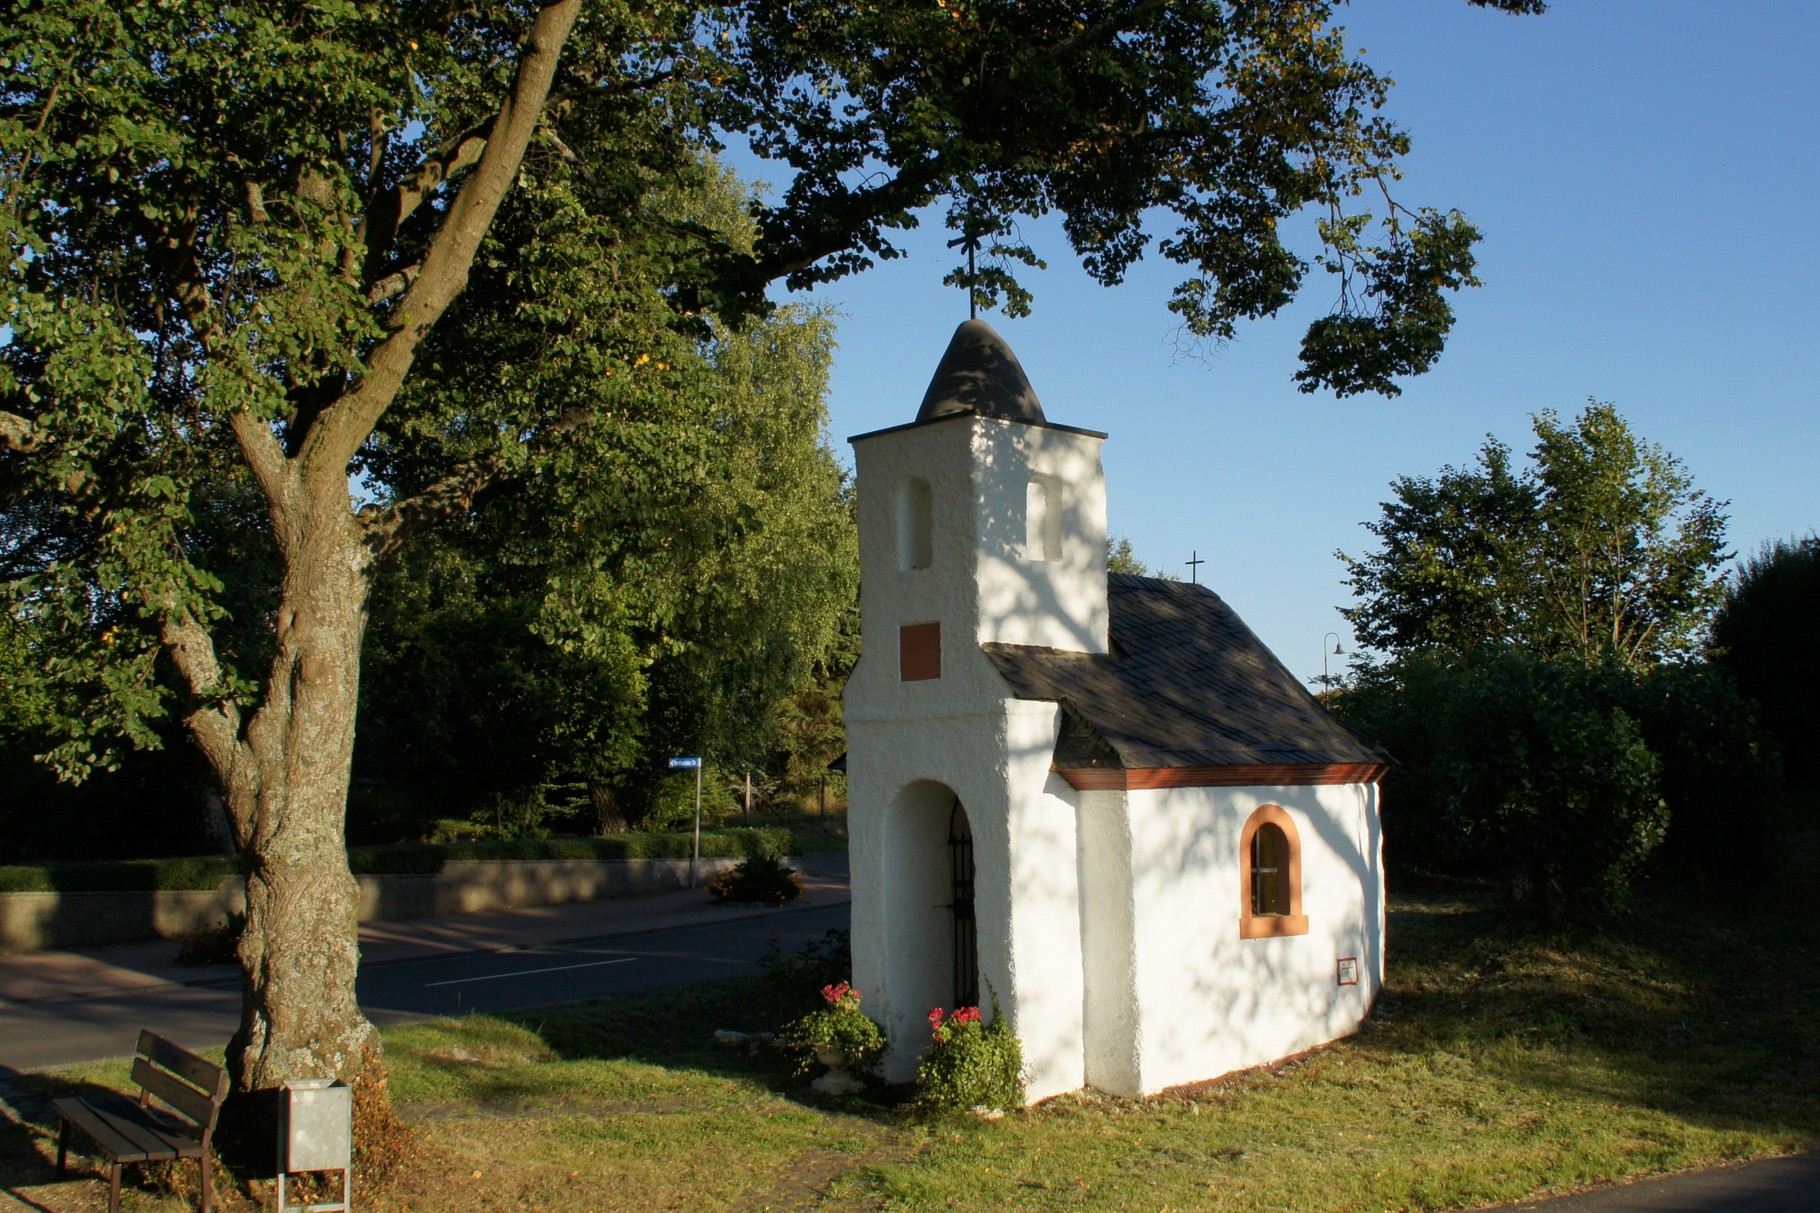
(693, 764)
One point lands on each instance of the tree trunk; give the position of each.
(300, 951)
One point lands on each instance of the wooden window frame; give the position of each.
(1271, 926)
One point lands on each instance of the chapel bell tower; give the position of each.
(980, 522)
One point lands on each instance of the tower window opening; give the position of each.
(1043, 519)
(915, 524)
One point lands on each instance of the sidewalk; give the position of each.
(50, 976)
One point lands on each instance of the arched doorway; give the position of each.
(966, 948)
(929, 934)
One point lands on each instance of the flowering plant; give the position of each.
(971, 1063)
(839, 1024)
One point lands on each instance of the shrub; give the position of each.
(1720, 775)
(789, 980)
(219, 944)
(971, 1064)
(759, 878)
(839, 1024)
(1538, 772)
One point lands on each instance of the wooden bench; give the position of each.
(128, 1130)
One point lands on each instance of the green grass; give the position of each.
(1503, 1062)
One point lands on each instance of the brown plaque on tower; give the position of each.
(919, 651)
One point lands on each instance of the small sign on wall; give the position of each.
(1346, 970)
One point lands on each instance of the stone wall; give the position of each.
(36, 922)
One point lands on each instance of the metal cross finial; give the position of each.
(971, 243)
(1194, 563)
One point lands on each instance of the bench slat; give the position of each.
(125, 1132)
(186, 1065)
(185, 1100)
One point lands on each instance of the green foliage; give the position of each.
(1564, 780)
(1122, 557)
(837, 1024)
(811, 724)
(791, 979)
(712, 601)
(192, 872)
(1720, 775)
(1763, 632)
(1600, 551)
(1553, 780)
(760, 878)
(971, 1063)
(668, 800)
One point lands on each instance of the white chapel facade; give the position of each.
(1098, 799)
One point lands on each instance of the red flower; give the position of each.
(967, 1015)
(935, 1019)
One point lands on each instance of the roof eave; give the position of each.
(1134, 779)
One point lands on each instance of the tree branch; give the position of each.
(345, 425)
(906, 191)
(21, 433)
(394, 283)
(214, 721)
(389, 210)
(1095, 33)
(264, 457)
(386, 530)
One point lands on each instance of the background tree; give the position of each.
(1565, 781)
(344, 270)
(1122, 557)
(1763, 632)
(1600, 550)
(1537, 674)
(477, 700)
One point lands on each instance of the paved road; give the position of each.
(60, 1031)
(1776, 1185)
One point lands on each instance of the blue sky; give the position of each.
(1646, 176)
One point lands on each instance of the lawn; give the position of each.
(1502, 1062)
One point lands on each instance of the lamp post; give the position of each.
(1326, 684)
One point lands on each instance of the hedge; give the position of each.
(396, 859)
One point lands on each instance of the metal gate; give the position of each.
(966, 935)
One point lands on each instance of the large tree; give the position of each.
(1764, 634)
(1600, 550)
(323, 273)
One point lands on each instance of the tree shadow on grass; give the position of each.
(483, 1065)
(676, 1030)
(28, 1134)
(1688, 1008)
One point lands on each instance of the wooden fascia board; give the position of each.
(1107, 779)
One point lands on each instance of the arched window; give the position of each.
(1270, 876)
(915, 524)
(1042, 519)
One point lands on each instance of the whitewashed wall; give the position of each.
(1211, 1002)
(914, 746)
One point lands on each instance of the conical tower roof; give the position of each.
(979, 374)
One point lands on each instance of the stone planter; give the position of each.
(839, 1080)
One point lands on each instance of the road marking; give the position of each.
(592, 964)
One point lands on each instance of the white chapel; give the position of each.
(1098, 798)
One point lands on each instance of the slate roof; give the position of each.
(979, 374)
(1187, 684)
